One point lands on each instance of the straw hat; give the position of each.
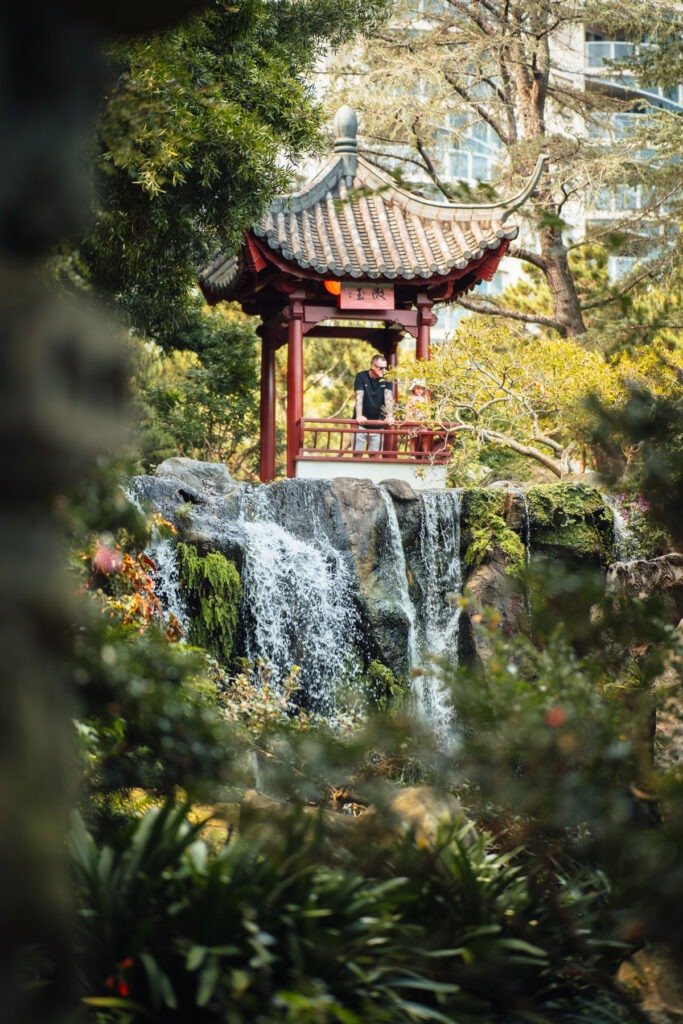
(417, 384)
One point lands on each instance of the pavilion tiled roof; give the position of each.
(353, 221)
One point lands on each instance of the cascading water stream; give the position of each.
(440, 614)
(526, 538)
(298, 609)
(163, 553)
(623, 542)
(395, 560)
(433, 632)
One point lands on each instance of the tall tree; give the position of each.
(507, 77)
(201, 125)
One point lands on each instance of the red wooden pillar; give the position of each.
(425, 320)
(267, 463)
(392, 359)
(389, 436)
(295, 382)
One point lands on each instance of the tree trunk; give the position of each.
(566, 306)
(609, 460)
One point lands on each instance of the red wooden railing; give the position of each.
(407, 441)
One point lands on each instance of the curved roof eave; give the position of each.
(369, 176)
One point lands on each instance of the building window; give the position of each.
(470, 149)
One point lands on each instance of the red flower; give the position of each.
(555, 717)
(106, 559)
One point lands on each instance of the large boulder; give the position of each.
(425, 811)
(210, 477)
(661, 577)
(654, 979)
(572, 523)
(419, 811)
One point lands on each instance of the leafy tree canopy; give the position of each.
(527, 392)
(201, 406)
(201, 125)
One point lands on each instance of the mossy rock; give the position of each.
(480, 502)
(381, 687)
(572, 522)
(492, 526)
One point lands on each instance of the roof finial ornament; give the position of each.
(346, 142)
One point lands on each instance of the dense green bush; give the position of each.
(270, 930)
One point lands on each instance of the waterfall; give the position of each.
(395, 561)
(439, 551)
(298, 609)
(300, 602)
(162, 553)
(433, 630)
(161, 550)
(327, 590)
(623, 540)
(526, 537)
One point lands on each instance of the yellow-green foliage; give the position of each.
(508, 388)
(213, 592)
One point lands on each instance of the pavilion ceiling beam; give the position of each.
(364, 333)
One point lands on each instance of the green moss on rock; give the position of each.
(479, 502)
(571, 520)
(485, 529)
(381, 686)
(492, 534)
(213, 592)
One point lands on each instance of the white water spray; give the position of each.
(432, 635)
(298, 609)
(442, 576)
(395, 564)
(623, 541)
(163, 553)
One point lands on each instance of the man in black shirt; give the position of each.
(374, 401)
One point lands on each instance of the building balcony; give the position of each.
(598, 56)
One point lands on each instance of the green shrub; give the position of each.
(277, 930)
(147, 715)
(213, 592)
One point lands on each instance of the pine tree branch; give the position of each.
(527, 256)
(617, 293)
(512, 314)
(431, 169)
(376, 156)
(469, 11)
(478, 108)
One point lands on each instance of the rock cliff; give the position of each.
(341, 573)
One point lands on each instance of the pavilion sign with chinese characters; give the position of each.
(366, 295)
